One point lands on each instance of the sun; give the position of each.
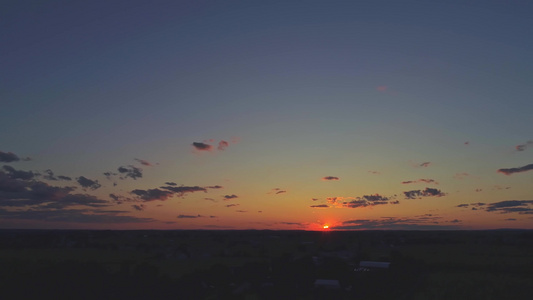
(326, 226)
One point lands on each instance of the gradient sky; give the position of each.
(266, 114)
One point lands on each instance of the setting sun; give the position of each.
(325, 226)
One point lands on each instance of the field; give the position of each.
(265, 264)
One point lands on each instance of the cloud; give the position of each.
(73, 216)
(460, 175)
(182, 190)
(210, 199)
(393, 223)
(327, 178)
(50, 176)
(425, 164)
(523, 147)
(131, 172)
(382, 88)
(314, 199)
(373, 198)
(8, 157)
(276, 191)
(152, 194)
(190, 216)
(143, 162)
(510, 219)
(420, 180)
(19, 174)
(215, 187)
(139, 207)
(241, 211)
(428, 192)
(510, 206)
(222, 145)
(357, 202)
(202, 146)
(171, 183)
(229, 197)
(88, 183)
(319, 206)
(516, 170)
(232, 205)
(374, 172)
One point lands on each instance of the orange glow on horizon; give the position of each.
(325, 226)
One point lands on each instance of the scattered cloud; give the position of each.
(374, 172)
(8, 157)
(524, 146)
(229, 197)
(420, 180)
(202, 146)
(87, 183)
(73, 216)
(461, 175)
(19, 174)
(190, 216)
(314, 199)
(421, 223)
(152, 194)
(131, 172)
(139, 207)
(232, 205)
(180, 191)
(428, 192)
(143, 162)
(328, 178)
(425, 164)
(276, 191)
(215, 187)
(516, 170)
(510, 206)
(241, 211)
(171, 183)
(222, 145)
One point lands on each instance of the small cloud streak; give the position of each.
(523, 147)
(420, 180)
(320, 206)
(511, 171)
(143, 162)
(88, 183)
(202, 146)
(329, 178)
(229, 197)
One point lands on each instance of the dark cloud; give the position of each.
(314, 199)
(428, 192)
(510, 206)
(189, 216)
(280, 192)
(374, 198)
(171, 183)
(510, 219)
(152, 194)
(222, 145)
(327, 178)
(374, 172)
(88, 183)
(143, 162)
(463, 205)
(61, 177)
(395, 202)
(229, 197)
(8, 157)
(232, 205)
(356, 204)
(19, 174)
(202, 146)
(319, 206)
(420, 180)
(180, 191)
(139, 207)
(292, 223)
(130, 171)
(523, 147)
(241, 211)
(516, 170)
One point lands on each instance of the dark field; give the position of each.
(265, 264)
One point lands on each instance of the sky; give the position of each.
(266, 114)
